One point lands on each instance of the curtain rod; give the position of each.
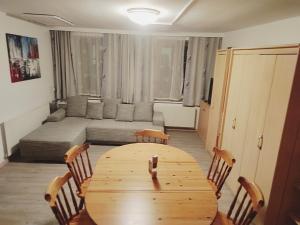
(111, 31)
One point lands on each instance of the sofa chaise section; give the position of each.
(53, 139)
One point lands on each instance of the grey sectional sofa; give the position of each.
(51, 140)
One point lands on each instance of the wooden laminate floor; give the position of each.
(22, 185)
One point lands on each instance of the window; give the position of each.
(138, 68)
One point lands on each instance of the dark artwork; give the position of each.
(23, 56)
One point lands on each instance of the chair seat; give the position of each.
(84, 186)
(221, 219)
(215, 189)
(82, 219)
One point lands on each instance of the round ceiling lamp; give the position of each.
(143, 16)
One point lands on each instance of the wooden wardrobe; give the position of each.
(248, 112)
(216, 111)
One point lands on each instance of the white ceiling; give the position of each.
(200, 16)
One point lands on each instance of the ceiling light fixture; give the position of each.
(143, 16)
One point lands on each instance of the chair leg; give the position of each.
(81, 203)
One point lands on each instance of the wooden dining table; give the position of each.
(122, 192)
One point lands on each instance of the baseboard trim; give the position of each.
(180, 128)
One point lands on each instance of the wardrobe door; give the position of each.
(263, 71)
(240, 122)
(236, 77)
(217, 99)
(275, 118)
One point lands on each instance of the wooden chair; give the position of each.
(152, 136)
(64, 203)
(219, 170)
(244, 207)
(78, 162)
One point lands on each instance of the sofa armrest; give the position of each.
(57, 116)
(158, 119)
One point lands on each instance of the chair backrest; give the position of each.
(79, 164)
(153, 136)
(246, 203)
(62, 198)
(220, 168)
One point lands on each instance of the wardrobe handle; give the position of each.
(234, 124)
(260, 142)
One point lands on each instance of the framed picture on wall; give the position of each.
(23, 54)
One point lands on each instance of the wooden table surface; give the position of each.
(122, 191)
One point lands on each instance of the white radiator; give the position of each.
(177, 115)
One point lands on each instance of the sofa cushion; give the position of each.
(58, 115)
(143, 111)
(76, 106)
(110, 130)
(110, 108)
(125, 112)
(95, 110)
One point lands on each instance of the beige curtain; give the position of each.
(213, 45)
(120, 67)
(137, 69)
(132, 67)
(143, 68)
(199, 69)
(143, 84)
(87, 52)
(168, 63)
(111, 82)
(64, 76)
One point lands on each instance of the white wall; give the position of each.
(23, 103)
(276, 33)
